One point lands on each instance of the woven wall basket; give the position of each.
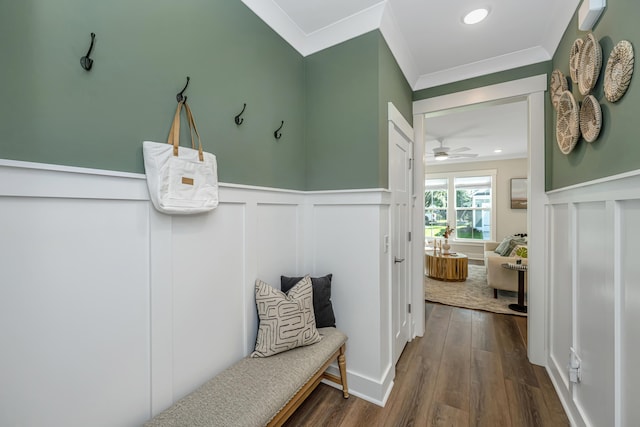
(590, 118)
(617, 74)
(574, 59)
(557, 85)
(568, 123)
(590, 64)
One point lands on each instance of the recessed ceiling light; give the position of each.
(497, 150)
(475, 16)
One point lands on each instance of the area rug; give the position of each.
(473, 293)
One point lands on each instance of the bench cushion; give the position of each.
(253, 390)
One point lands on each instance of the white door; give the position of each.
(400, 165)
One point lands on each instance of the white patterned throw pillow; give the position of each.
(286, 320)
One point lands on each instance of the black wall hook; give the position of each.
(180, 97)
(277, 134)
(85, 61)
(238, 119)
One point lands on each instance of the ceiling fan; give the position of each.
(443, 153)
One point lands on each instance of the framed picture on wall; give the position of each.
(518, 193)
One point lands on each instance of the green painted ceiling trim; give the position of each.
(487, 80)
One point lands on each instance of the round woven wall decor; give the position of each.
(568, 123)
(557, 85)
(574, 59)
(590, 64)
(590, 118)
(617, 74)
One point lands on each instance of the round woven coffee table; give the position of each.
(450, 268)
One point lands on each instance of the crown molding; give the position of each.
(331, 35)
(398, 45)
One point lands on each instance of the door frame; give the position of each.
(532, 89)
(397, 120)
(400, 128)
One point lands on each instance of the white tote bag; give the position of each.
(181, 180)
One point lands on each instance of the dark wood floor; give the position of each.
(469, 369)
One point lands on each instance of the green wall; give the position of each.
(56, 112)
(393, 87)
(342, 113)
(348, 87)
(616, 150)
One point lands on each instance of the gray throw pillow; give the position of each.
(503, 247)
(322, 306)
(286, 320)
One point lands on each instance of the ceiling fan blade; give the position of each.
(459, 150)
(462, 155)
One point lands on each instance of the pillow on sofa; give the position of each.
(515, 250)
(286, 320)
(504, 246)
(508, 244)
(322, 306)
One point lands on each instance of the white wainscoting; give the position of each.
(110, 311)
(593, 239)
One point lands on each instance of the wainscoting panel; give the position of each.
(561, 295)
(111, 311)
(277, 242)
(74, 311)
(628, 349)
(593, 243)
(208, 288)
(594, 313)
(348, 241)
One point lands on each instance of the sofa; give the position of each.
(498, 277)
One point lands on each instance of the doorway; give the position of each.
(532, 89)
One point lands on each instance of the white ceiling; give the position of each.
(433, 47)
(427, 37)
(481, 128)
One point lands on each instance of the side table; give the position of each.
(521, 269)
(450, 268)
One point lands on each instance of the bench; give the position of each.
(260, 391)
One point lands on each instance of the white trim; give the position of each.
(511, 89)
(617, 177)
(308, 43)
(618, 303)
(533, 89)
(69, 169)
(398, 45)
(395, 117)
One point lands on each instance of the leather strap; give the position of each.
(193, 128)
(174, 131)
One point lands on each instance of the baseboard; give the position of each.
(376, 392)
(568, 406)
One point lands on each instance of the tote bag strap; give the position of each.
(174, 131)
(193, 128)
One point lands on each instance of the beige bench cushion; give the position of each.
(253, 390)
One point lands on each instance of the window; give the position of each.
(464, 200)
(435, 206)
(473, 207)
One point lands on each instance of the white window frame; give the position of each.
(451, 199)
